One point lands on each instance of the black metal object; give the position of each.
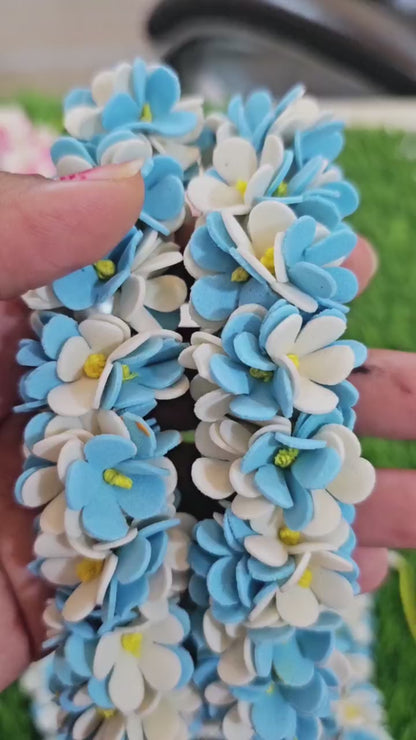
(361, 42)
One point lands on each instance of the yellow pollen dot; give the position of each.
(114, 478)
(306, 579)
(147, 115)
(143, 428)
(268, 260)
(241, 186)
(94, 365)
(270, 689)
(352, 712)
(127, 374)
(240, 275)
(285, 457)
(281, 190)
(133, 643)
(105, 269)
(295, 359)
(264, 375)
(88, 569)
(289, 536)
(105, 713)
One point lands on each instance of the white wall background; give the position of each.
(51, 45)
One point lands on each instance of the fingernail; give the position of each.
(108, 172)
(374, 258)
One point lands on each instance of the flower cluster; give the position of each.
(261, 657)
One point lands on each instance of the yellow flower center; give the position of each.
(114, 478)
(94, 365)
(352, 713)
(270, 689)
(241, 186)
(88, 569)
(127, 374)
(268, 260)
(285, 457)
(105, 269)
(133, 643)
(306, 579)
(295, 360)
(147, 115)
(281, 190)
(105, 713)
(289, 536)
(240, 275)
(264, 375)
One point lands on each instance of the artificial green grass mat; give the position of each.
(382, 317)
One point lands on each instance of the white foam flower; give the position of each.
(236, 724)
(179, 541)
(232, 642)
(137, 656)
(358, 619)
(44, 710)
(241, 176)
(63, 566)
(361, 707)
(316, 582)
(184, 148)
(149, 287)
(159, 716)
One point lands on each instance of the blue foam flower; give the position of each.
(266, 365)
(224, 572)
(114, 473)
(230, 281)
(146, 103)
(98, 282)
(151, 366)
(164, 195)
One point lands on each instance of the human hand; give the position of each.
(48, 228)
(51, 228)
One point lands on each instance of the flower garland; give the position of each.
(249, 650)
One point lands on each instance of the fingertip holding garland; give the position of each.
(164, 627)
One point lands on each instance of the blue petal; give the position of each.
(67, 146)
(290, 665)
(261, 452)
(316, 646)
(296, 239)
(229, 375)
(308, 698)
(112, 387)
(162, 91)
(133, 559)
(237, 324)
(138, 81)
(215, 297)
(245, 586)
(228, 614)
(164, 200)
(35, 428)
(259, 406)
(302, 511)
(273, 718)
(30, 353)
(334, 247)
(145, 499)
(345, 196)
(199, 560)
(283, 391)
(40, 381)
(56, 332)
(210, 537)
(346, 284)
(263, 655)
(313, 280)
(83, 483)
(247, 350)
(120, 110)
(107, 450)
(105, 522)
(316, 468)
(78, 289)
(271, 481)
(207, 255)
(221, 582)
(321, 209)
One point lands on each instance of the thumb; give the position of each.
(52, 227)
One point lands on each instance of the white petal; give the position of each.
(165, 293)
(73, 450)
(250, 508)
(236, 435)
(202, 356)
(131, 297)
(332, 589)
(102, 86)
(218, 694)
(83, 121)
(265, 221)
(52, 517)
(71, 359)
(212, 406)
(243, 483)
(355, 482)
(318, 333)
(281, 340)
(42, 486)
(163, 722)
(232, 667)
(199, 387)
(81, 601)
(209, 194)
(298, 606)
(106, 653)
(52, 546)
(313, 398)
(297, 297)
(168, 631)
(326, 517)
(258, 184)
(101, 335)
(212, 477)
(235, 159)
(161, 667)
(331, 561)
(268, 550)
(70, 165)
(217, 438)
(85, 724)
(174, 391)
(75, 398)
(205, 444)
(61, 571)
(52, 447)
(126, 686)
(328, 366)
(41, 298)
(215, 633)
(234, 729)
(127, 151)
(236, 232)
(273, 152)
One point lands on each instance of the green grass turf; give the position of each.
(382, 317)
